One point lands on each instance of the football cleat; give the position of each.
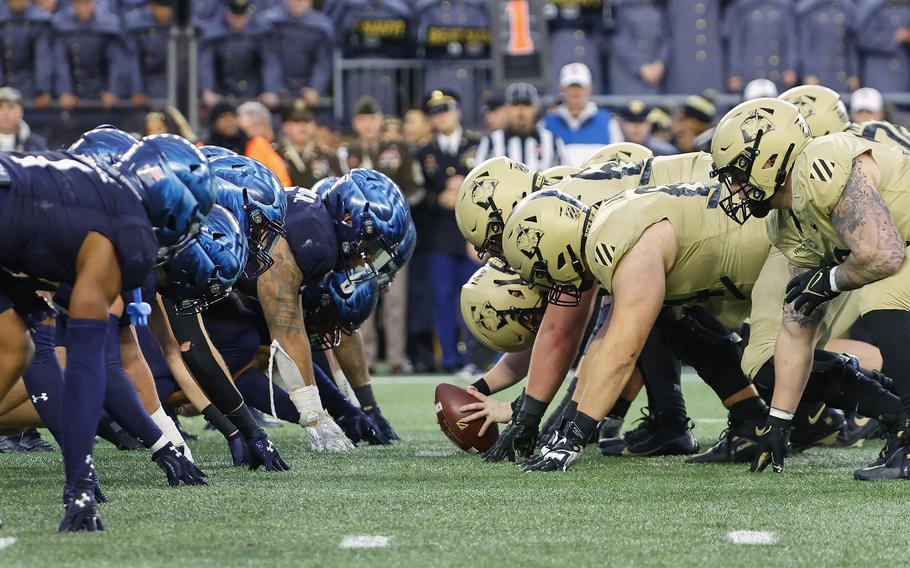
(735, 445)
(31, 441)
(820, 427)
(10, 444)
(858, 429)
(896, 466)
(652, 437)
(894, 440)
(608, 428)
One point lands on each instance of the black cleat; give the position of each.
(735, 445)
(10, 444)
(858, 429)
(822, 427)
(609, 428)
(897, 466)
(30, 441)
(653, 437)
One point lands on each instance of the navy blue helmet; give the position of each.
(174, 183)
(103, 145)
(336, 305)
(212, 152)
(254, 189)
(205, 271)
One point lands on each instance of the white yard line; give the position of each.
(7, 541)
(365, 541)
(751, 537)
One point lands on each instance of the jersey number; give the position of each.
(305, 195)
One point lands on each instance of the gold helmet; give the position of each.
(486, 197)
(754, 147)
(543, 242)
(822, 108)
(502, 311)
(619, 152)
(556, 174)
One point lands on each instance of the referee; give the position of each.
(523, 139)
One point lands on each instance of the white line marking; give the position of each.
(365, 541)
(751, 537)
(710, 420)
(7, 541)
(434, 454)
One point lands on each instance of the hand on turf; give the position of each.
(517, 440)
(773, 441)
(100, 496)
(810, 289)
(326, 436)
(490, 409)
(177, 467)
(263, 452)
(81, 508)
(546, 447)
(240, 455)
(359, 427)
(560, 456)
(384, 427)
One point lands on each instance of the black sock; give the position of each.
(660, 369)
(482, 386)
(891, 331)
(568, 413)
(581, 429)
(365, 396)
(620, 409)
(219, 420)
(750, 409)
(532, 410)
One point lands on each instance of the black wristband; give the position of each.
(217, 419)
(581, 429)
(482, 386)
(244, 420)
(532, 411)
(365, 396)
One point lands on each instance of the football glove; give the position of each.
(811, 289)
(517, 440)
(384, 427)
(177, 467)
(326, 436)
(240, 455)
(81, 508)
(100, 496)
(563, 453)
(545, 447)
(263, 452)
(358, 427)
(773, 442)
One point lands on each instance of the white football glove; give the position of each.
(326, 436)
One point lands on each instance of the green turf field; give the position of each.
(442, 508)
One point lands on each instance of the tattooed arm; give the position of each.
(793, 353)
(279, 295)
(864, 223)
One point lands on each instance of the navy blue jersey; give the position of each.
(310, 234)
(54, 201)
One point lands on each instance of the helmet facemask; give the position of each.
(264, 233)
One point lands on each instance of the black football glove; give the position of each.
(177, 467)
(518, 439)
(811, 289)
(773, 442)
(359, 427)
(240, 455)
(562, 454)
(382, 425)
(264, 453)
(81, 508)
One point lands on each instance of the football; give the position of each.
(464, 434)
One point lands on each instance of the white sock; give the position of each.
(169, 429)
(162, 441)
(345, 387)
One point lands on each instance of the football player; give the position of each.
(847, 195)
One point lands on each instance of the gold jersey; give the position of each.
(602, 181)
(717, 260)
(881, 131)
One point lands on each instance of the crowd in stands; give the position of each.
(265, 65)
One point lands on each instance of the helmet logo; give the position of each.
(528, 239)
(489, 319)
(150, 174)
(482, 191)
(756, 121)
(804, 104)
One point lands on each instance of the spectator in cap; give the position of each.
(306, 161)
(639, 47)
(393, 159)
(26, 58)
(444, 163)
(867, 104)
(760, 88)
(883, 39)
(147, 31)
(522, 139)
(15, 134)
(661, 124)
(90, 55)
(692, 120)
(576, 32)
(577, 121)
(236, 59)
(495, 114)
(633, 118)
(303, 41)
(226, 132)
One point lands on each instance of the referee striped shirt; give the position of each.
(538, 150)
